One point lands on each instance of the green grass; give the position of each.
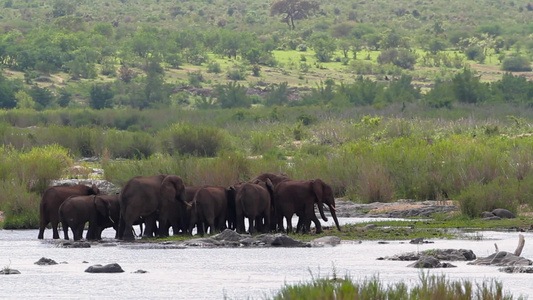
(428, 288)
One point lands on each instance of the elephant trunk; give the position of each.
(333, 212)
(321, 210)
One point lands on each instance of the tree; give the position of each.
(100, 96)
(7, 94)
(43, 97)
(294, 10)
(232, 95)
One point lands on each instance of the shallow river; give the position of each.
(247, 273)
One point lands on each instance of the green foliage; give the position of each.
(193, 140)
(516, 64)
(278, 95)
(21, 207)
(467, 87)
(101, 96)
(232, 95)
(429, 287)
(403, 58)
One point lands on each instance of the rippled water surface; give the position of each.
(240, 273)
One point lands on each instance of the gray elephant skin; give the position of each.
(149, 198)
(253, 201)
(299, 197)
(209, 209)
(52, 198)
(101, 211)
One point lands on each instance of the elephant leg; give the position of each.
(251, 224)
(54, 229)
(42, 226)
(289, 224)
(150, 226)
(318, 226)
(65, 231)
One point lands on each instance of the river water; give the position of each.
(232, 273)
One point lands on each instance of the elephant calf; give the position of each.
(101, 211)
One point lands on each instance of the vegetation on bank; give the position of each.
(483, 163)
(429, 287)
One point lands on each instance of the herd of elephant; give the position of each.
(163, 201)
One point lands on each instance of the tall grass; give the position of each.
(429, 287)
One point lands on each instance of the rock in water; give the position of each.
(8, 271)
(45, 262)
(110, 268)
(326, 240)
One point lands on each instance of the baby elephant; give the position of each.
(100, 211)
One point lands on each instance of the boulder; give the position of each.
(140, 272)
(203, 243)
(503, 213)
(326, 241)
(282, 240)
(76, 245)
(45, 262)
(430, 262)
(515, 269)
(110, 268)
(419, 241)
(230, 235)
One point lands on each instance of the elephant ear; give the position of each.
(172, 188)
(95, 190)
(318, 189)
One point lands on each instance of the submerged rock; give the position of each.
(76, 245)
(441, 254)
(230, 235)
(45, 262)
(110, 268)
(140, 272)
(502, 258)
(8, 271)
(514, 269)
(326, 241)
(282, 240)
(430, 262)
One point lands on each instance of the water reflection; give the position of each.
(217, 273)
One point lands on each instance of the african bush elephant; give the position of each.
(209, 209)
(274, 178)
(149, 198)
(52, 198)
(75, 211)
(108, 207)
(177, 215)
(253, 201)
(299, 197)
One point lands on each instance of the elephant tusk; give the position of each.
(111, 219)
(333, 208)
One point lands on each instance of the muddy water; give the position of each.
(232, 273)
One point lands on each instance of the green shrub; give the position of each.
(21, 208)
(193, 140)
(429, 287)
(131, 145)
(499, 193)
(516, 64)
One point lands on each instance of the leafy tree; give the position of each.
(7, 94)
(64, 98)
(363, 91)
(155, 89)
(513, 89)
(403, 58)
(516, 64)
(62, 8)
(467, 87)
(436, 45)
(24, 100)
(278, 95)
(232, 95)
(43, 97)
(294, 10)
(323, 45)
(101, 96)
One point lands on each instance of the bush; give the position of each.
(516, 64)
(213, 67)
(499, 193)
(192, 140)
(21, 208)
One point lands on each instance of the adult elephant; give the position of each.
(52, 198)
(178, 218)
(274, 178)
(149, 198)
(98, 210)
(299, 197)
(209, 209)
(253, 201)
